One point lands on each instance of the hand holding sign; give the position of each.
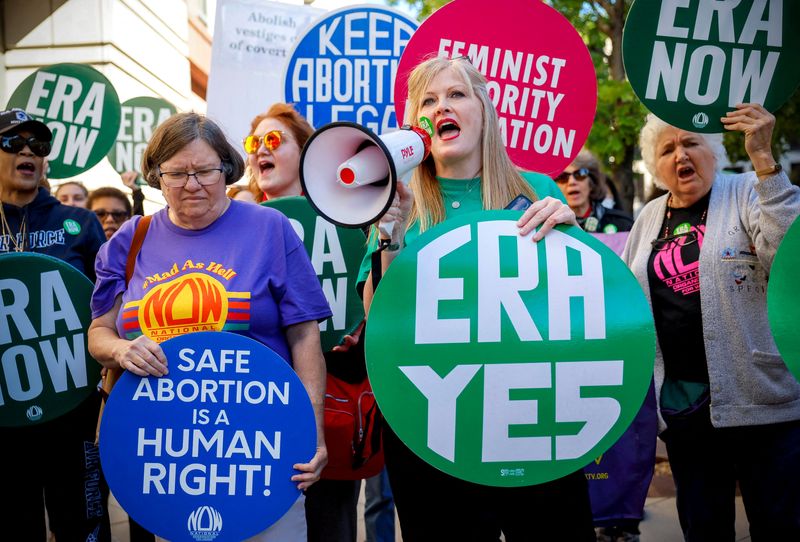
(692, 62)
(208, 450)
(506, 362)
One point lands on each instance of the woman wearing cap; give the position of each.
(469, 170)
(191, 161)
(47, 465)
(728, 406)
(584, 186)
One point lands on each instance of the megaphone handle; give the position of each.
(386, 228)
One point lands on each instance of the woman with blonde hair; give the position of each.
(469, 170)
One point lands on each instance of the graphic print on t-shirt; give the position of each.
(678, 264)
(185, 304)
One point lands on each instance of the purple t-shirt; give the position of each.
(247, 273)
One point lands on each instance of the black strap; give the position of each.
(377, 268)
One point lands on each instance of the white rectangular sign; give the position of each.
(252, 43)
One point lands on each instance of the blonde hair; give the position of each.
(500, 180)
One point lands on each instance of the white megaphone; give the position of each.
(349, 174)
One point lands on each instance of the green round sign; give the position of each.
(336, 256)
(45, 367)
(139, 118)
(506, 362)
(81, 108)
(783, 292)
(690, 63)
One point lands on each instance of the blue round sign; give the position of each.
(206, 452)
(343, 68)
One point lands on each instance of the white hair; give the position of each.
(648, 139)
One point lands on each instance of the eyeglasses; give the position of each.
(118, 216)
(175, 179)
(679, 239)
(15, 143)
(579, 174)
(272, 140)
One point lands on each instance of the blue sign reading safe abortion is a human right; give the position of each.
(205, 453)
(343, 68)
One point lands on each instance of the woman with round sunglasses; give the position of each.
(469, 170)
(111, 206)
(191, 161)
(47, 465)
(273, 167)
(729, 409)
(273, 152)
(584, 186)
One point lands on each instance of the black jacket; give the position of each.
(68, 233)
(605, 220)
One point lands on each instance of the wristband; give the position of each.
(771, 170)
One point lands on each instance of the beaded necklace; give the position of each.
(669, 217)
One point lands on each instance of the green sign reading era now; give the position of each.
(783, 294)
(336, 256)
(507, 362)
(140, 117)
(691, 61)
(45, 367)
(81, 108)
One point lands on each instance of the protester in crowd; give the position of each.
(72, 193)
(129, 179)
(584, 186)
(468, 170)
(273, 170)
(728, 405)
(34, 476)
(273, 148)
(241, 193)
(191, 161)
(111, 206)
(617, 498)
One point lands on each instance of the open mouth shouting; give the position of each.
(447, 129)
(265, 165)
(685, 173)
(26, 167)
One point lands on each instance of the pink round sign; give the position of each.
(541, 77)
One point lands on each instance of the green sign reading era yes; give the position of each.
(140, 117)
(45, 369)
(691, 61)
(507, 362)
(81, 108)
(783, 293)
(336, 256)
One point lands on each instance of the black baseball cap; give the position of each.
(17, 119)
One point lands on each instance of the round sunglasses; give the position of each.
(272, 140)
(15, 143)
(579, 174)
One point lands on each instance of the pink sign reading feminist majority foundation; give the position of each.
(541, 77)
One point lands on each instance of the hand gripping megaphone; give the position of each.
(349, 174)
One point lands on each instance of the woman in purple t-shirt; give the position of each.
(192, 247)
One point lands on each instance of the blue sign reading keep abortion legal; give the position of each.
(343, 68)
(205, 453)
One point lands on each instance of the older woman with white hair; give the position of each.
(728, 407)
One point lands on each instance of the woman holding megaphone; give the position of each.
(469, 170)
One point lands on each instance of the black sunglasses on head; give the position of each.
(15, 143)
